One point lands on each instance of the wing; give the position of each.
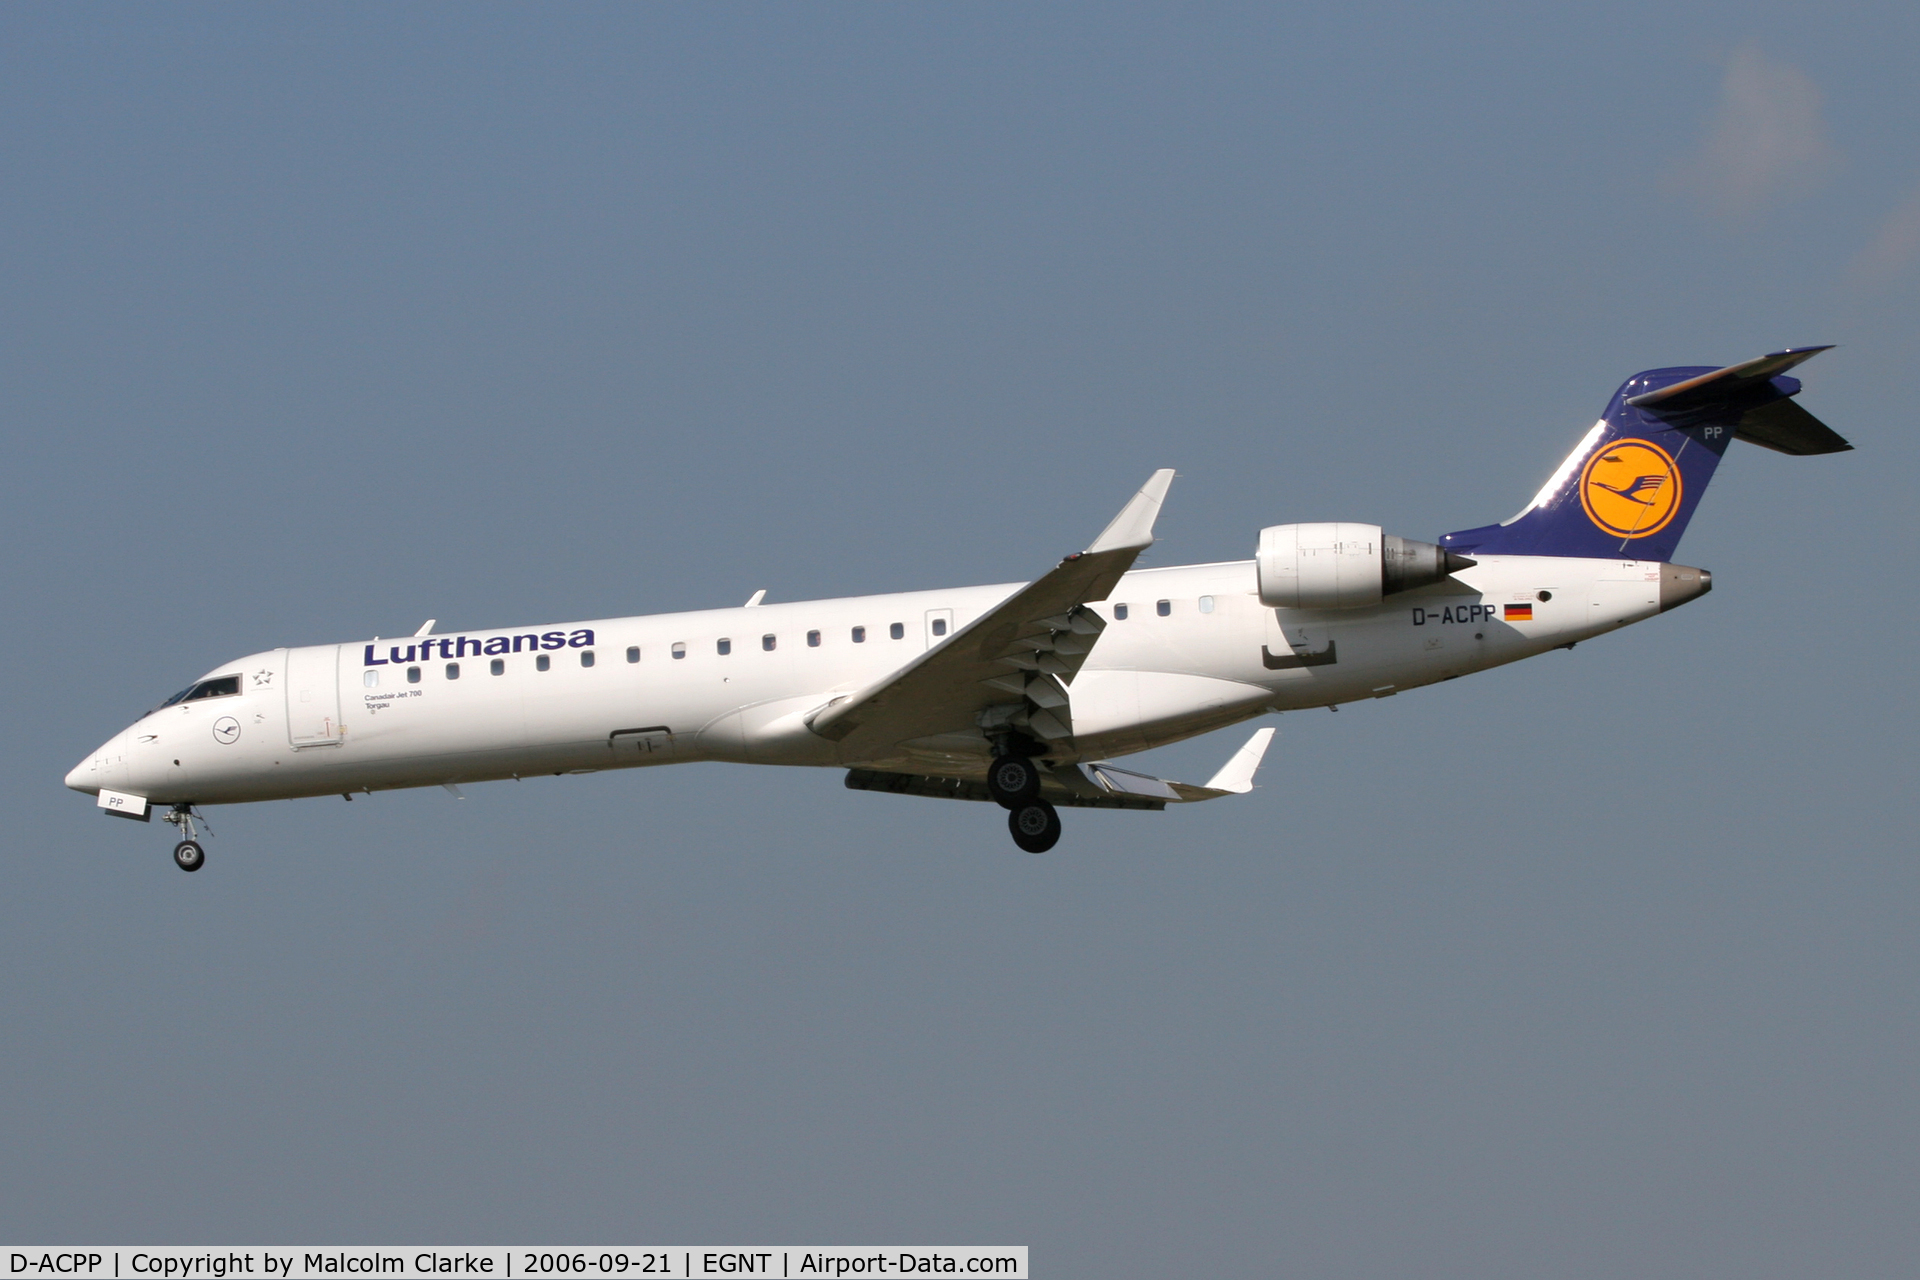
(1007, 668)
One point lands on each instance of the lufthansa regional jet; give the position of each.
(1017, 694)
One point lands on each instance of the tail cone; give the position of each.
(1679, 584)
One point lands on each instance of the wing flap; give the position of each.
(1054, 791)
(1096, 786)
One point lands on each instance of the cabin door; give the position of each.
(313, 695)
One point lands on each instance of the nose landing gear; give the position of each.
(187, 855)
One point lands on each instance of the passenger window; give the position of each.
(724, 647)
(679, 648)
(1206, 604)
(859, 635)
(633, 653)
(543, 663)
(939, 626)
(898, 631)
(413, 675)
(813, 639)
(371, 679)
(498, 666)
(1164, 608)
(586, 657)
(1119, 613)
(453, 671)
(767, 643)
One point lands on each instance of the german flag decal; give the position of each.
(1516, 613)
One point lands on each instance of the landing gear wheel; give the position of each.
(189, 856)
(1013, 780)
(1035, 826)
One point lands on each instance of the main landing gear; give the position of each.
(187, 855)
(1014, 782)
(1035, 825)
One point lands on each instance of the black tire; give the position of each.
(189, 856)
(1035, 826)
(1013, 780)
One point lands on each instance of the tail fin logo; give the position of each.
(1631, 488)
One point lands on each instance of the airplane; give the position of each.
(1017, 694)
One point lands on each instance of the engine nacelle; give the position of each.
(1338, 565)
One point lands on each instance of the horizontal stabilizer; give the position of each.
(1724, 384)
(1785, 427)
(1755, 392)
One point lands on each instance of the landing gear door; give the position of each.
(313, 696)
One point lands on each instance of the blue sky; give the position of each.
(321, 321)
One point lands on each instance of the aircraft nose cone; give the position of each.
(105, 767)
(81, 776)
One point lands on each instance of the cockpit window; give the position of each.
(223, 687)
(219, 687)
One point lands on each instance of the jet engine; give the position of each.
(1337, 565)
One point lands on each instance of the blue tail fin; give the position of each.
(1632, 483)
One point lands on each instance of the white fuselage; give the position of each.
(1195, 651)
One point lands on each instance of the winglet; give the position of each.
(1237, 774)
(426, 628)
(1234, 779)
(1132, 529)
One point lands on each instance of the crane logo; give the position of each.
(1631, 488)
